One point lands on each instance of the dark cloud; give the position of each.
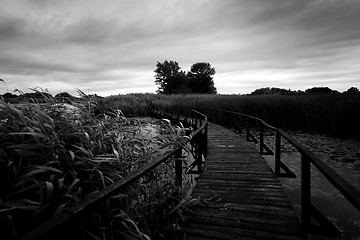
(88, 30)
(23, 64)
(117, 44)
(10, 29)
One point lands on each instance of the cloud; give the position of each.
(10, 29)
(113, 46)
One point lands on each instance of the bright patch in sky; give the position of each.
(112, 47)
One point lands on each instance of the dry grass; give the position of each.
(330, 113)
(53, 155)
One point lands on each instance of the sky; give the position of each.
(112, 47)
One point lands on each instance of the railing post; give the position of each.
(178, 167)
(230, 119)
(219, 116)
(277, 152)
(235, 122)
(205, 139)
(199, 155)
(196, 123)
(226, 119)
(221, 119)
(247, 129)
(192, 120)
(261, 138)
(305, 191)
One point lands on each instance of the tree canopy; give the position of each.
(352, 90)
(310, 91)
(172, 80)
(200, 78)
(273, 90)
(320, 90)
(64, 97)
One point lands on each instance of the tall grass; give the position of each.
(130, 104)
(331, 113)
(53, 155)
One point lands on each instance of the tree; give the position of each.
(200, 78)
(64, 97)
(320, 90)
(9, 95)
(273, 90)
(170, 78)
(352, 90)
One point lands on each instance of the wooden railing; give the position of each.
(66, 224)
(239, 121)
(198, 139)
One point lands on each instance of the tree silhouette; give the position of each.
(352, 90)
(170, 78)
(64, 97)
(200, 78)
(274, 90)
(320, 90)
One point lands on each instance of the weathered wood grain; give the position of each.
(239, 195)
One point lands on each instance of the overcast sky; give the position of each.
(111, 47)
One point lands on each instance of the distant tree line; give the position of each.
(42, 97)
(172, 80)
(314, 90)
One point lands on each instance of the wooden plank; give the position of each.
(248, 191)
(234, 233)
(242, 177)
(268, 201)
(237, 220)
(239, 196)
(239, 186)
(251, 208)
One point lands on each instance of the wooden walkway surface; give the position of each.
(240, 196)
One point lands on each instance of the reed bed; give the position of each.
(335, 114)
(330, 113)
(53, 155)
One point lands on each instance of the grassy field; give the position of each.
(336, 114)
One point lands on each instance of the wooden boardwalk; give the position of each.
(240, 196)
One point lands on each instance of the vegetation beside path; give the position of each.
(53, 155)
(56, 151)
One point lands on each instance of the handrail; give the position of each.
(76, 211)
(199, 135)
(232, 119)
